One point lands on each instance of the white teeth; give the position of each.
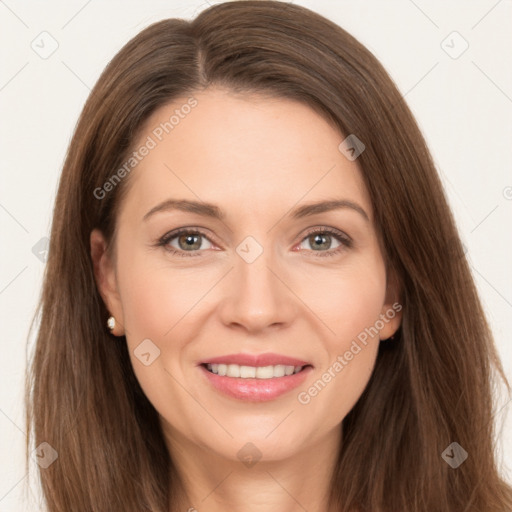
(247, 372)
(279, 370)
(251, 372)
(233, 370)
(264, 372)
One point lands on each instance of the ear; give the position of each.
(391, 314)
(106, 279)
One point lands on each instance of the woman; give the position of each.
(256, 296)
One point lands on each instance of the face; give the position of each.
(252, 271)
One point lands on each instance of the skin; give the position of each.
(257, 159)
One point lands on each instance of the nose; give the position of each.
(258, 296)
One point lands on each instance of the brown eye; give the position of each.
(189, 241)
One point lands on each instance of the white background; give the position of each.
(463, 107)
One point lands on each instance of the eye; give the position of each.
(321, 240)
(189, 242)
(184, 241)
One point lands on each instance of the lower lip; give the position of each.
(256, 390)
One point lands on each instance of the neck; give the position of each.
(212, 483)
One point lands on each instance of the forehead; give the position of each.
(252, 151)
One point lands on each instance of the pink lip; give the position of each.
(268, 359)
(256, 390)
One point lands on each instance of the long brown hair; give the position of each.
(432, 385)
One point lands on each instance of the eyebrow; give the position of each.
(211, 210)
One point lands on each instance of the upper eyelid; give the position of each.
(180, 231)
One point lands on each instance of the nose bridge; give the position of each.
(254, 264)
(257, 296)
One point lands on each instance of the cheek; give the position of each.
(154, 296)
(349, 303)
(160, 304)
(346, 299)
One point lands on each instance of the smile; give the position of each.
(254, 383)
(254, 372)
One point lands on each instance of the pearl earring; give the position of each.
(111, 323)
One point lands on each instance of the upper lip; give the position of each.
(268, 359)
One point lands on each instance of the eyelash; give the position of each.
(346, 242)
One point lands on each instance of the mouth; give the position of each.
(253, 372)
(254, 378)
